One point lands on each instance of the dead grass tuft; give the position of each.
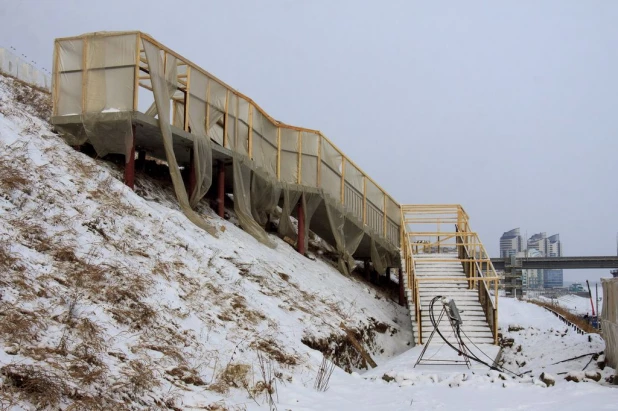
(65, 254)
(8, 260)
(232, 376)
(12, 177)
(275, 352)
(137, 315)
(187, 375)
(17, 325)
(140, 377)
(41, 387)
(36, 101)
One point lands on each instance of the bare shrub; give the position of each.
(324, 373)
(267, 386)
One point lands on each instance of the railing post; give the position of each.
(402, 297)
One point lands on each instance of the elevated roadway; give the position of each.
(548, 263)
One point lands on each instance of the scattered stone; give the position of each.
(12, 349)
(548, 379)
(515, 327)
(575, 376)
(387, 378)
(593, 375)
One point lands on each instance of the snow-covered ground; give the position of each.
(573, 303)
(112, 299)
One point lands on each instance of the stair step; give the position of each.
(467, 330)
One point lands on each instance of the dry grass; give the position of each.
(187, 375)
(41, 387)
(140, 377)
(35, 100)
(17, 325)
(8, 260)
(232, 376)
(275, 352)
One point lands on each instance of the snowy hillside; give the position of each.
(112, 298)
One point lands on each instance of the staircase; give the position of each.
(474, 326)
(451, 264)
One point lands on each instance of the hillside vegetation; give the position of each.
(111, 298)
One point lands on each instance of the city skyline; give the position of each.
(537, 245)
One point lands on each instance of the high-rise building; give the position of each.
(533, 277)
(510, 243)
(548, 247)
(538, 245)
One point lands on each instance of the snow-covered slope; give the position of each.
(110, 299)
(115, 299)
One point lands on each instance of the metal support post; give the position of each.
(129, 166)
(221, 189)
(300, 245)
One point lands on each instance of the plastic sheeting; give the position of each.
(160, 85)
(110, 60)
(347, 236)
(290, 199)
(271, 157)
(609, 320)
(265, 194)
(242, 200)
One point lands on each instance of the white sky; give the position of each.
(508, 108)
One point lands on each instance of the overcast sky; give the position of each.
(508, 108)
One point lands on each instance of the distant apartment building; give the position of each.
(510, 243)
(549, 246)
(531, 278)
(538, 245)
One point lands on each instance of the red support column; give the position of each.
(129, 166)
(221, 189)
(300, 245)
(402, 291)
(192, 178)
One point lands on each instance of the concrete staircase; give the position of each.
(474, 322)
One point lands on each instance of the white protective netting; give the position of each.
(96, 77)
